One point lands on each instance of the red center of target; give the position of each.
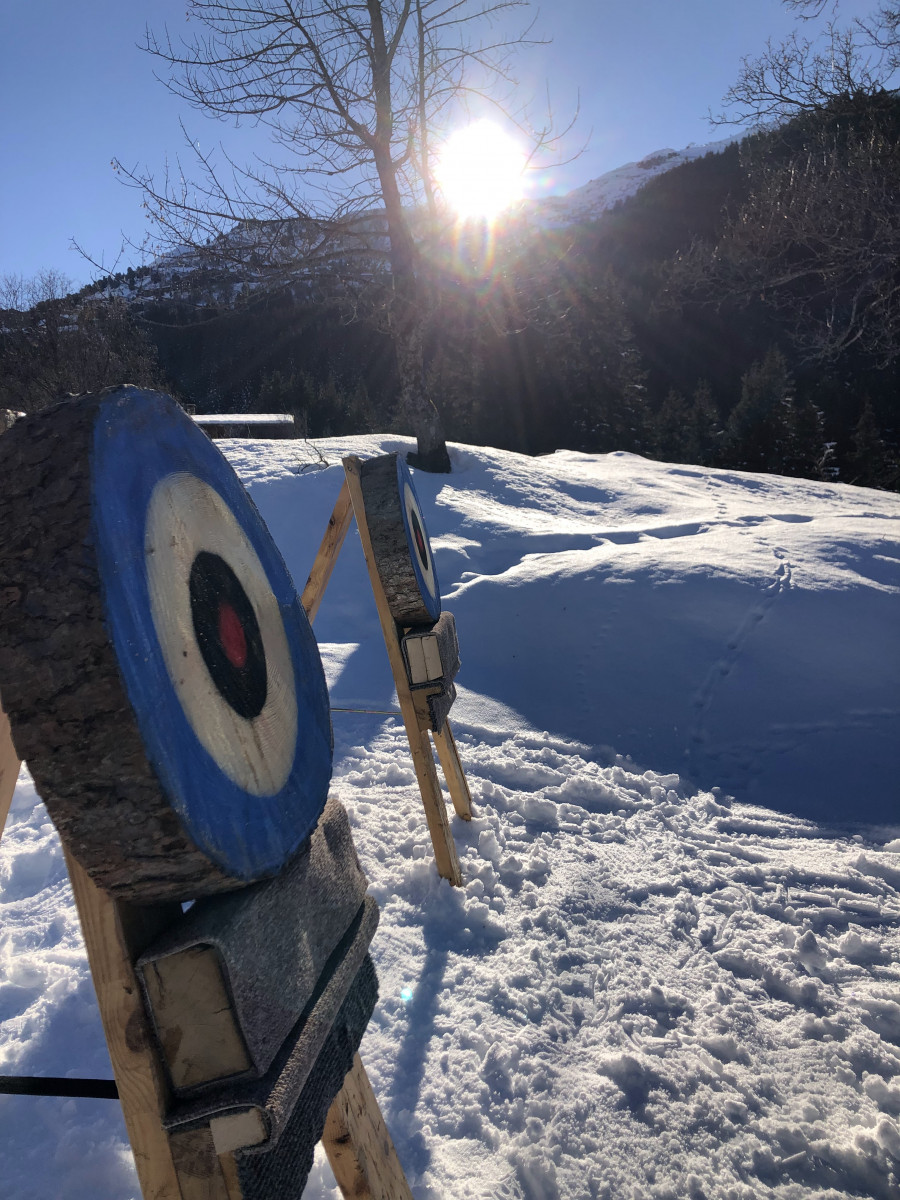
(232, 636)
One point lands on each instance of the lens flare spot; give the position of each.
(481, 171)
(406, 994)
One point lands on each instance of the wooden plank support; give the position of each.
(445, 853)
(358, 1144)
(115, 933)
(9, 769)
(453, 772)
(199, 1030)
(323, 564)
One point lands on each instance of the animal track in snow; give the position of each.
(723, 666)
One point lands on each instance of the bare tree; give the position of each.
(353, 95)
(53, 343)
(836, 66)
(817, 236)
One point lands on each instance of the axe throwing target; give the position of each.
(403, 555)
(205, 751)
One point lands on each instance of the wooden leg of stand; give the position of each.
(453, 772)
(199, 1169)
(358, 1144)
(115, 934)
(445, 854)
(323, 564)
(9, 769)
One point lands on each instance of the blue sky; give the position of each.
(76, 92)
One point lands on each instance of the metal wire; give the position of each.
(375, 712)
(53, 1085)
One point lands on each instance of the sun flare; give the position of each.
(481, 171)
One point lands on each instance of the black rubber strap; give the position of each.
(50, 1085)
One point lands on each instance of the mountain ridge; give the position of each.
(159, 280)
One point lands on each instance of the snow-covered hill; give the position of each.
(588, 202)
(673, 970)
(293, 251)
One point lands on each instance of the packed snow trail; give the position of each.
(644, 991)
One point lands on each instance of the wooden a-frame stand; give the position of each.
(185, 1166)
(413, 706)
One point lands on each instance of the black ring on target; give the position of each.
(419, 541)
(226, 606)
(228, 635)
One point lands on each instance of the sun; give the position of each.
(480, 171)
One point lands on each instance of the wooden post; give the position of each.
(423, 759)
(185, 1166)
(313, 592)
(115, 933)
(359, 1146)
(453, 772)
(323, 565)
(9, 769)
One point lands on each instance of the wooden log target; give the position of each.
(400, 544)
(160, 676)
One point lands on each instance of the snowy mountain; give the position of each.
(673, 970)
(591, 200)
(221, 276)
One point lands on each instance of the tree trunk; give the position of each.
(407, 319)
(416, 406)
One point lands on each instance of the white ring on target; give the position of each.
(410, 505)
(184, 516)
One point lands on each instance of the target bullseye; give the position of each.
(201, 753)
(197, 557)
(419, 538)
(403, 554)
(414, 524)
(228, 635)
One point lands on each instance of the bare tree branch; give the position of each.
(818, 237)
(837, 64)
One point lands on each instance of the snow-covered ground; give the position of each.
(673, 970)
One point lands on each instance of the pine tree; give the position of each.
(758, 431)
(671, 439)
(704, 427)
(872, 464)
(807, 454)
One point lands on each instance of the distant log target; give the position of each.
(403, 555)
(160, 675)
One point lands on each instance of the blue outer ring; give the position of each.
(138, 440)
(431, 603)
